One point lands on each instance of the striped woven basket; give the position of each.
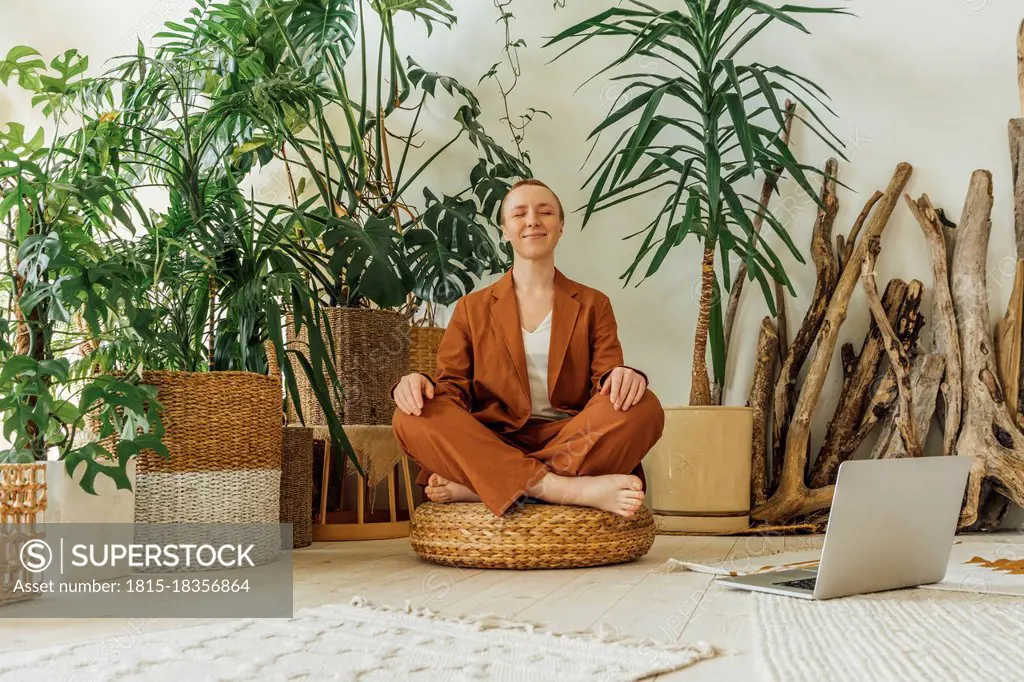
(535, 536)
(371, 352)
(297, 484)
(22, 504)
(224, 438)
(423, 345)
(223, 433)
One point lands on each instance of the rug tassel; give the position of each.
(487, 621)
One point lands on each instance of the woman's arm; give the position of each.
(454, 373)
(606, 352)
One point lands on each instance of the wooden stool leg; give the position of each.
(360, 499)
(325, 481)
(391, 496)
(408, 483)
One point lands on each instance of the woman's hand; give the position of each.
(410, 392)
(625, 387)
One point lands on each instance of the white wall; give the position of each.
(932, 83)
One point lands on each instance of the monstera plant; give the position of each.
(66, 209)
(698, 123)
(355, 143)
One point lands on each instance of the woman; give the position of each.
(530, 396)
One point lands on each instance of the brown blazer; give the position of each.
(481, 363)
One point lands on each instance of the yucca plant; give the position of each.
(701, 161)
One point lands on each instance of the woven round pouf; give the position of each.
(535, 536)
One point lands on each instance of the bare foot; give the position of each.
(617, 493)
(440, 489)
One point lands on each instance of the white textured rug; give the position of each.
(888, 636)
(354, 642)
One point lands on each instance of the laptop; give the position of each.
(891, 526)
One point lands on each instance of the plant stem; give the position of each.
(700, 386)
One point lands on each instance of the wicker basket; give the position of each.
(371, 352)
(297, 483)
(224, 438)
(423, 345)
(536, 536)
(22, 503)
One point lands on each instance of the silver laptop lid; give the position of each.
(892, 524)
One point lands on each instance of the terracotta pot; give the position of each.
(698, 473)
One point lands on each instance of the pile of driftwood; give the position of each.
(969, 379)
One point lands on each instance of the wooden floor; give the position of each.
(635, 599)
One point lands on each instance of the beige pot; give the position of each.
(698, 473)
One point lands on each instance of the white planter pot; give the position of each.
(110, 511)
(68, 503)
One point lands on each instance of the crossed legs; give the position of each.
(588, 459)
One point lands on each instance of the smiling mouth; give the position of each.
(534, 236)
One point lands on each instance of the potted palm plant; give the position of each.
(149, 336)
(352, 161)
(221, 273)
(65, 208)
(700, 162)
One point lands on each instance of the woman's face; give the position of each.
(532, 224)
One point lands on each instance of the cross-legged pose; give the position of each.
(530, 396)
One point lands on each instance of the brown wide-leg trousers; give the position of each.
(500, 468)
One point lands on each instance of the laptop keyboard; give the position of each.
(803, 583)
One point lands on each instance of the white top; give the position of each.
(537, 345)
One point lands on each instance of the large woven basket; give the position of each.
(371, 352)
(223, 433)
(423, 345)
(297, 483)
(22, 503)
(535, 536)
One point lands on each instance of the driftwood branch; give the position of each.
(1008, 341)
(898, 361)
(945, 338)
(792, 497)
(988, 436)
(1016, 133)
(827, 276)
(908, 328)
(760, 398)
(851, 239)
(771, 182)
(841, 435)
(925, 377)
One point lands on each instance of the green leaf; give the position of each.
(716, 334)
(739, 121)
(780, 14)
(368, 259)
(430, 11)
